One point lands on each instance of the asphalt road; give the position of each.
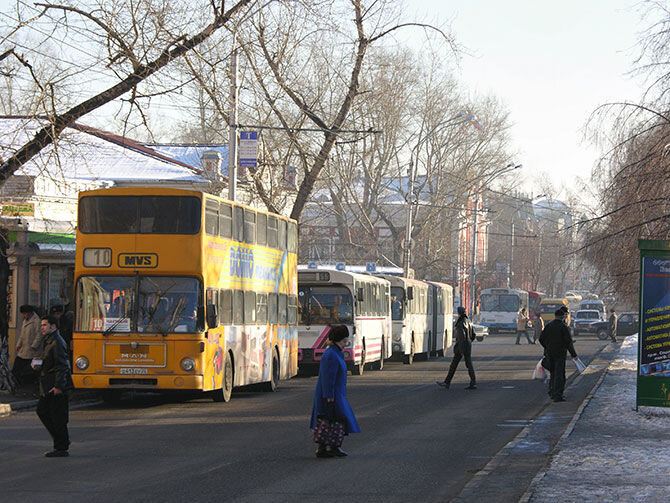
(418, 441)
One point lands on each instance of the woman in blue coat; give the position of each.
(331, 389)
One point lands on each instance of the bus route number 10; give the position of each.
(97, 257)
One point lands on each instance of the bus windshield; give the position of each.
(550, 308)
(325, 305)
(112, 303)
(500, 303)
(397, 302)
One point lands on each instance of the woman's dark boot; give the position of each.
(323, 452)
(338, 452)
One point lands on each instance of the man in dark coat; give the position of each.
(465, 334)
(55, 384)
(612, 322)
(556, 341)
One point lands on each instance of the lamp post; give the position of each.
(454, 121)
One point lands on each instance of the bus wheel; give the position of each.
(111, 396)
(358, 369)
(272, 384)
(224, 394)
(409, 359)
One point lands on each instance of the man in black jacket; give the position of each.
(556, 340)
(611, 325)
(465, 334)
(55, 384)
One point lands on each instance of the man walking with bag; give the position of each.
(556, 341)
(55, 384)
(465, 334)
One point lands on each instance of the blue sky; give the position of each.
(551, 64)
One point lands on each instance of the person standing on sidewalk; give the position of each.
(612, 323)
(538, 326)
(55, 385)
(556, 341)
(465, 334)
(522, 326)
(28, 347)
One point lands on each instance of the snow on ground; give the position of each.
(614, 453)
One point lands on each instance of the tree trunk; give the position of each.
(6, 379)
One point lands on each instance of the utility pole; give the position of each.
(511, 259)
(232, 127)
(410, 202)
(473, 270)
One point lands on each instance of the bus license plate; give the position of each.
(129, 371)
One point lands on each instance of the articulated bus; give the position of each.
(359, 301)
(443, 317)
(411, 312)
(500, 308)
(181, 290)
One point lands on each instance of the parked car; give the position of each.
(480, 331)
(595, 304)
(627, 324)
(582, 322)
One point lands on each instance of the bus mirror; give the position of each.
(359, 295)
(200, 322)
(410, 292)
(212, 316)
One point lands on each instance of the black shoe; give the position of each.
(472, 386)
(322, 452)
(558, 399)
(443, 384)
(336, 451)
(517, 343)
(56, 453)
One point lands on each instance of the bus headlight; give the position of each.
(396, 338)
(81, 363)
(187, 364)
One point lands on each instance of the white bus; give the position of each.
(500, 308)
(359, 301)
(443, 317)
(411, 312)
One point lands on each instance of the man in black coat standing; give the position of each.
(465, 334)
(55, 384)
(611, 325)
(556, 341)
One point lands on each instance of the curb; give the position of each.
(568, 431)
(25, 405)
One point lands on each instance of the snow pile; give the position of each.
(614, 453)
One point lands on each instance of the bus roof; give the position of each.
(335, 276)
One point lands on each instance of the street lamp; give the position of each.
(454, 121)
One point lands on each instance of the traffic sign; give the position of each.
(371, 267)
(248, 149)
(340, 266)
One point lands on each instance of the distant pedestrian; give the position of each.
(55, 385)
(612, 323)
(330, 395)
(538, 326)
(465, 334)
(65, 323)
(522, 326)
(28, 346)
(557, 342)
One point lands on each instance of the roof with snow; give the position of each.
(89, 154)
(191, 154)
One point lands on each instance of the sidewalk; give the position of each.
(610, 453)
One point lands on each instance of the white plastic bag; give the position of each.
(540, 372)
(579, 364)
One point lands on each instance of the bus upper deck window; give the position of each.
(292, 238)
(282, 235)
(261, 228)
(211, 217)
(249, 226)
(226, 221)
(272, 232)
(238, 223)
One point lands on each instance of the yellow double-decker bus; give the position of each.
(181, 290)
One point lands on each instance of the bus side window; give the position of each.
(292, 317)
(238, 307)
(238, 223)
(282, 235)
(261, 229)
(292, 240)
(225, 220)
(212, 307)
(262, 308)
(272, 232)
(272, 308)
(226, 310)
(249, 226)
(250, 308)
(211, 217)
(281, 309)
